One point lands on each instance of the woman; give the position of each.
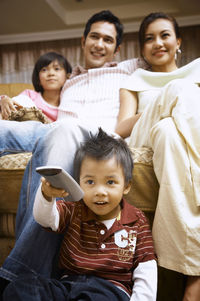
(169, 99)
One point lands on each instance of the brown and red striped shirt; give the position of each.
(89, 247)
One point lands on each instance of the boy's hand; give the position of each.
(7, 106)
(50, 192)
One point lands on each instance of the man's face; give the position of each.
(100, 44)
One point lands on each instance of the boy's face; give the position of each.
(99, 45)
(103, 184)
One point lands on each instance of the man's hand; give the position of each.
(49, 192)
(7, 106)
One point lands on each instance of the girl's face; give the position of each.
(160, 46)
(52, 77)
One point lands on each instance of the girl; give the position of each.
(167, 102)
(49, 75)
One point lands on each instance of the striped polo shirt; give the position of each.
(89, 247)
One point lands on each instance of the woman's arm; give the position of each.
(127, 113)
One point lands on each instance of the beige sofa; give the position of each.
(11, 172)
(143, 194)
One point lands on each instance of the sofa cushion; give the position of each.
(144, 185)
(14, 89)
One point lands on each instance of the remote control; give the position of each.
(59, 178)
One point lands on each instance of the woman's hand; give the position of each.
(50, 192)
(7, 106)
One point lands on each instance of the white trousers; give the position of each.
(171, 127)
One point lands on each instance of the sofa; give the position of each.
(143, 194)
(11, 172)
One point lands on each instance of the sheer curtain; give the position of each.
(17, 60)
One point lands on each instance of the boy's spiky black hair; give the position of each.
(101, 147)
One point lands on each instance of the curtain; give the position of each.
(17, 60)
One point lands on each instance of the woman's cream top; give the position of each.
(148, 84)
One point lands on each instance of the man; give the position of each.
(88, 100)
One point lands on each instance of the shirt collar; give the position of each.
(128, 215)
(86, 213)
(80, 70)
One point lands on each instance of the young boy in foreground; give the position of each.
(107, 252)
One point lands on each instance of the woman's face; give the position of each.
(160, 46)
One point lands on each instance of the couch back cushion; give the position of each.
(14, 89)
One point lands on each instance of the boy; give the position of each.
(107, 250)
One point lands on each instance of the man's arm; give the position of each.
(145, 282)
(132, 64)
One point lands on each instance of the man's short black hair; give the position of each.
(43, 61)
(106, 16)
(103, 147)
